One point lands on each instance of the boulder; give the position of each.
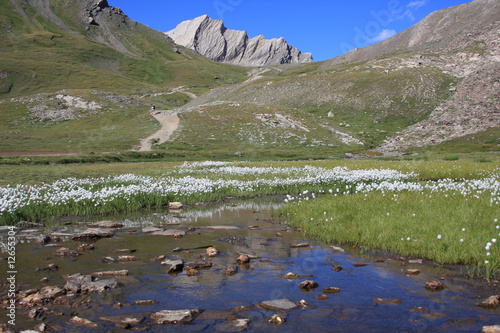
(490, 302)
(94, 233)
(78, 283)
(308, 285)
(173, 265)
(106, 224)
(434, 286)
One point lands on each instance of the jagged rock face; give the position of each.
(211, 39)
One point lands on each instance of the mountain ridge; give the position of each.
(212, 39)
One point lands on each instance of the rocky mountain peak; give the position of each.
(213, 40)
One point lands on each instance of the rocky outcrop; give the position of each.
(211, 39)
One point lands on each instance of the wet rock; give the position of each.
(491, 329)
(231, 270)
(169, 232)
(304, 305)
(199, 265)
(418, 310)
(111, 273)
(173, 265)
(434, 286)
(279, 305)
(238, 325)
(145, 302)
(44, 280)
(82, 322)
(279, 234)
(193, 272)
(413, 271)
(78, 283)
(337, 248)
(322, 297)
(308, 285)
(124, 320)
(337, 268)
(300, 245)
(293, 276)
(360, 265)
(108, 259)
(331, 290)
(126, 258)
(394, 301)
(175, 316)
(117, 251)
(25, 224)
(41, 327)
(42, 239)
(490, 302)
(243, 259)
(94, 233)
(148, 230)
(276, 319)
(65, 252)
(212, 252)
(175, 205)
(106, 224)
(85, 247)
(49, 268)
(221, 227)
(416, 261)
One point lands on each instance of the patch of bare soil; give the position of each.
(169, 122)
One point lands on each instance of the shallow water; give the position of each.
(218, 294)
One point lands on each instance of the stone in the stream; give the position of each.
(212, 252)
(78, 283)
(193, 272)
(243, 259)
(175, 316)
(145, 302)
(293, 276)
(123, 272)
(65, 252)
(108, 259)
(308, 285)
(94, 233)
(491, 329)
(276, 319)
(322, 297)
(416, 261)
(304, 305)
(337, 268)
(169, 232)
(418, 310)
(124, 320)
(85, 247)
(199, 265)
(331, 290)
(394, 301)
(412, 271)
(173, 265)
(82, 322)
(279, 305)
(148, 230)
(126, 258)
(237, 325)
(42, 239)
(231, 270)
(490, 302)
(300, 245)
(106, 224)
(118, 251)
(175, 205)
(434, 286)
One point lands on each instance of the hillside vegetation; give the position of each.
(79, 77)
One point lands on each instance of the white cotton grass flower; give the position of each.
(439, 237)
(488, 254)
(463, 229)
(408, 239)
(486, 262)
(461, 240)
(493, 240)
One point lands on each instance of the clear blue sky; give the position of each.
(326, 28)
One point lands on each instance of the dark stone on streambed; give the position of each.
(65, 252)
(124, 319)
(434, 286)
(308, 285)
(231, 270)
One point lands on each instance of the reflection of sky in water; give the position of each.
(353, 309)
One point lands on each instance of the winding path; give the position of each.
(169, 122)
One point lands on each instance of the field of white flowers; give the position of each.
(341, 202)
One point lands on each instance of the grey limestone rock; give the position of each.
(211, 39)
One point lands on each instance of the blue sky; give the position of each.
(326, 28)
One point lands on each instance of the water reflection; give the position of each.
(218, 294)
